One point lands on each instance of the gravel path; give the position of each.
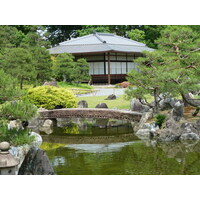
(105, 92)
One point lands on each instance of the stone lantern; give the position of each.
(7, 161)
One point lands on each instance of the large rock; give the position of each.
(171, 124)
(111, 97)
(189, 136)
(143, 133)
(167, 103)
(101, 105)
(188, 128)
(82, 104)
(36, 162)
(17, 124)
(177, 111)
(136, 106)
(35, 122)
(46, 129)
(48, 123)
(51, 83)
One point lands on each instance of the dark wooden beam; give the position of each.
(104, 63)
(109, 79)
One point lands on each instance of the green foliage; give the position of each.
(59, 33)
(73, 86)
(66, 69)
(22, 110)
(18, 63)
(137, 35)
(42, 63)
(160, 120)
(181, 60)
(9, 37)
(8, 89)
(71, 129)
(64, 64)
(49, 97)
(22, 53)
(89, 29)
(15, 137)
(148, 78)
(80, 72)
(173, 69)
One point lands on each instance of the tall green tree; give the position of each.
(10, 37)
(80, 72)
(8, 90)
(176, 64)
(63, 66)
(18, 63)
(41, 59)
(148, 78)
(182, 60)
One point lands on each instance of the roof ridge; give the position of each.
(98, 37)
(109, 34)
(75, 39)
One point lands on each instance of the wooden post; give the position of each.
(109, 80)
(104, 62)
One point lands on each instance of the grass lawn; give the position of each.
(74, 86)
(119, 103)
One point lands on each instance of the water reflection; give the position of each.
(98, 148)
(104, 150)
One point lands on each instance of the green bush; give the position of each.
(50, 97)
(15, 136)
(160, 120)
(23, 110)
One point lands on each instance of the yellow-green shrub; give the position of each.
(49, 97)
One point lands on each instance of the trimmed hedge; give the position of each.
(50, 97)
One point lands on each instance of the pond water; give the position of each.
(109, 147)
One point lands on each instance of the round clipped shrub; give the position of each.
(50, 97)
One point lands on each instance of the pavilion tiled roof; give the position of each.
(99, 42)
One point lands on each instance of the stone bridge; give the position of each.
(91, 113)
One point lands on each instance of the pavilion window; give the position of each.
(118, 68)
(112, 68)
(123, 68)
(131, 66)
(91, 68)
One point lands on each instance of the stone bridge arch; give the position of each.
(91, 113)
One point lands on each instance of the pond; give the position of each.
(109, 147)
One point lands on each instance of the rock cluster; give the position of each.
(182, 131)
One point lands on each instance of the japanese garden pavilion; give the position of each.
(110, 56)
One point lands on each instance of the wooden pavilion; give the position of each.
(110, 56)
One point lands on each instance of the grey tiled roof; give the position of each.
(99, 42)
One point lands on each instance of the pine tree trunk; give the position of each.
(155, 93)
(21, 83)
